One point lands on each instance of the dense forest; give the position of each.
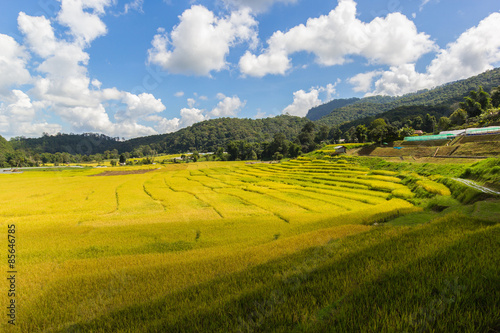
(402, 115)
(203, 136)
(207, 136)
(445, 95)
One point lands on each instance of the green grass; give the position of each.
(487, 171)
(413, 219)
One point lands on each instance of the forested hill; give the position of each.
(211, 134)
(444, 95)
(5, 148)
(322, 110)
(204, 136)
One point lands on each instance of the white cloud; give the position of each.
(393, 40)
(179, 94)
(139, 106)
(275, 62)
(330, 89)
(164, 125)
(63, 85)
(303, 102)
(475, 51)
(18, 117)
(261, 114)
(85, 26)
(13, 61)
(362, 82)
(201, 41)
(134, 5)
(191, 116)
(38, 34)
(228, 106)
(96, 83)
(256, 5)
(191, 102)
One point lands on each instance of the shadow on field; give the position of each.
(366, 150)
(426, 278)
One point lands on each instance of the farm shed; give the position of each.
(340, 149)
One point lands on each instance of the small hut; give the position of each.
(340, 150)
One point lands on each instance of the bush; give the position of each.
(462, 192)
(440, 203)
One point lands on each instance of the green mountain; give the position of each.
(203, 136)
(211, 134)
(5, 148)
(445, 95)
(401, 114)
(320, 111)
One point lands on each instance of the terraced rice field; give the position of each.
(91, 246)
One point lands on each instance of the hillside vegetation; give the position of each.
(203, 136)
(5, 148)
(443, 96)
(324, 109)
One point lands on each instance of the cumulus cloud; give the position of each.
(139, 106)
(18, 116)
(201, 41)
(164, 125)
(475, 51)
(228, 106)
(62, 84)
(13, 60)
(191, 116)
(362, 82)
(85, 26)
(303, 101)
(393, 40)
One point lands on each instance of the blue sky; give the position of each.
(129, 68)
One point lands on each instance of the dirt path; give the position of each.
(475, 185)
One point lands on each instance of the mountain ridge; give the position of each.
(446, 94)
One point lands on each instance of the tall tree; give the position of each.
(361, 133)
(495, 97)
(476, 103)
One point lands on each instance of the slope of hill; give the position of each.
(5, 147)
(84, 144)
(400, 114)
(322, 110)
(447, 94)
(211, 134)
(204, 136)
